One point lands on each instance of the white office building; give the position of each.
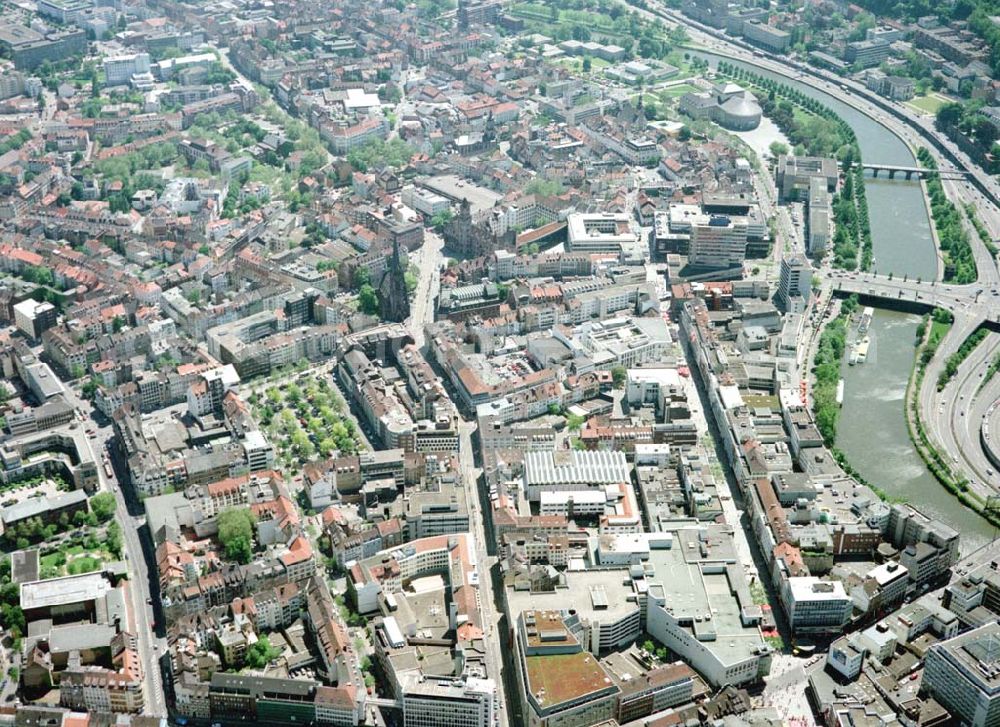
(603, 232)
(963, 674)
(795, 283)
(816, 606)
(444, 702)
(424, 201)
(118, 70)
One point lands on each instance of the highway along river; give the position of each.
(872, 430)
(901, 231)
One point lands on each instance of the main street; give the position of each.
(141, 620)
(428, 260)
(484, 567)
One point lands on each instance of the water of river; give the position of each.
(873, 434)
(901, 236)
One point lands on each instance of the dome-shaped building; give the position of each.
(727, 104)
(739, 113)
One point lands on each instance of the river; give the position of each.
(901, 233)
(873, 434)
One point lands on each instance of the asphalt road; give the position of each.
(428, 260)
(487, 600)
(961, 407)
(141, 617)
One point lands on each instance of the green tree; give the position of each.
(103, 506)
(441, 219)
(618, 376)
(368, 300)
(261, 653)
(778, 148)
(89, 389)
(113, 539)
(362, 276)
(236, 527)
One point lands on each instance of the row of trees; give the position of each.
(829, 357)
(959, 262)
(852, 232)
(15, 141)
(955, 360)
(11, 615)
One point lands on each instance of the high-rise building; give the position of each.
(795, 282)
(32, 317)
(963, 674)
(718, 241)
(818, 227)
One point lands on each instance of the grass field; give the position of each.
(75, 560)
(939, 330)
(83, 564)
(676, 91)
(927, 104)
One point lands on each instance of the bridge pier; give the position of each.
(909, 175)
(874, 172)
(892, 174)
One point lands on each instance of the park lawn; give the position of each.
(83, 564)
(928, 104)
(676, 91)
(647, 98)
(78, 560)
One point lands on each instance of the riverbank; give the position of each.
(934, 234)
(951, 238)
(827, 365)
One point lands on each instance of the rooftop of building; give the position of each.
(596, 595)
(65, 590)
(554, 679)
